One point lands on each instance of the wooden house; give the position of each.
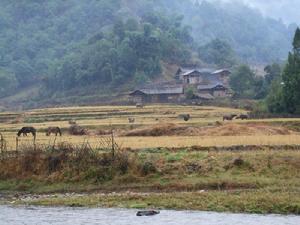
(222, 75)
(196, 76)
(215, 90)
(158, 95)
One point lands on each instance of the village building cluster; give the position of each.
(207, 85)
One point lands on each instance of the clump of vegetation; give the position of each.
(246, 84)
(190, 93)
(64, 163)
(148, 168)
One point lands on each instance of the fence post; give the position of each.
(17, 144)
(34, 145)
(53, 147)
(112, 143)
(2, 143)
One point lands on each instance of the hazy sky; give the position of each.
(287, 10)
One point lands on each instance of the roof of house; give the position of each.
(160, 90)
(210, 86)
(220, 71)
(205, 96)
(186, 72)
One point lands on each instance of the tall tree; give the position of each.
(243, 82)
(272, 72)
(291, 77)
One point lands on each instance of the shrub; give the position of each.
(148, 168)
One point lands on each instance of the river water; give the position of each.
(83, 216)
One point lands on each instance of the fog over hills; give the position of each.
(287, 10)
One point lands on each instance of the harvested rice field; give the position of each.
(153, 126)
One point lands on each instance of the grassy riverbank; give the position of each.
(249, 180)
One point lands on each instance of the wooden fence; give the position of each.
(105, 143)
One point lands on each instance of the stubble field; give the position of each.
(154, 126)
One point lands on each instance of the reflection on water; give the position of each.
(75, 216)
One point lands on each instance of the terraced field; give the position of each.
(201, 130)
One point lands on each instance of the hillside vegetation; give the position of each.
(67, 45)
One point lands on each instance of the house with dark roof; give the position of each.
(204, 75)
(223, 75)
(208, 81)
(215, 90)
(193, 76)
(159, 94)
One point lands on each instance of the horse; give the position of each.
(54, 130)
(243, 117)
(26, 130)
(229, 117)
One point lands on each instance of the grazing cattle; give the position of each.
(72, 122)
(147, 213)
(26, 130)
(243, 117)
(186, 117)
(54, 130)
(139, 105)
(229, 117)
(78, 130)
(131, 120)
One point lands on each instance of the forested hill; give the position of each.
(62, 45)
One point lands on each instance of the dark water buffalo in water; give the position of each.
(243, 117)
(147, 213)
(229, 117)
(54, 130)
(26, 130)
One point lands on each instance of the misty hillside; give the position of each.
(66, 46)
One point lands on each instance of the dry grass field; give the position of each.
(201, 164)
(154, 126)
